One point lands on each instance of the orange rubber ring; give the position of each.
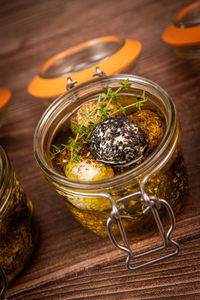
(189, 36)
(5, 96)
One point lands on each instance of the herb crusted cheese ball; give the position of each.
(89, 112)
(151, 124)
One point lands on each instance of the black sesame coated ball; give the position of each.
(118, 140)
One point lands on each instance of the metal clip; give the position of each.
(99, 73)
(4, 283)
(70, 83)
(153, 205)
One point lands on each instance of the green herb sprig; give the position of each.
(83, 133)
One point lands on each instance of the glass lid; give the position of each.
(80, 58)
(111, 54)
(191, 17)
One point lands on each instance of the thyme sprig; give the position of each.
(99, 113)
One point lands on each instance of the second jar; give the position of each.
(18, 226)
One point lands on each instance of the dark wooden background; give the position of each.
(69, 262)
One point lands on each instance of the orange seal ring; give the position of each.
(176, 36)
(43, 87)
(5, 96)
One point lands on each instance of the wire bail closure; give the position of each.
(153, 204)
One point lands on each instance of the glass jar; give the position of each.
(183, 35)
(18, 227)
(162, 174)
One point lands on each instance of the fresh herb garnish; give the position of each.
(72, 150)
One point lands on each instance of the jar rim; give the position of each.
(154, 158)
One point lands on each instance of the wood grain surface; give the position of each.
(70, 262)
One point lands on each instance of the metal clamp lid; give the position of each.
(111, 53)
(185, 30)
(153, 204)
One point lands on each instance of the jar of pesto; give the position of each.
(118, 199)
(18, 227)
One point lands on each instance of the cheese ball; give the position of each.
(91, 108)
(87, 170)
(151, 124)
(118, 140)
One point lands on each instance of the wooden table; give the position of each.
(69, 262)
